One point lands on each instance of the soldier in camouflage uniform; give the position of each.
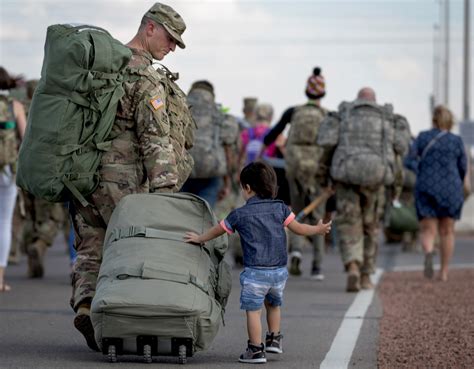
(361, 141)
(213, 145)
(302, 163)
(151, 136)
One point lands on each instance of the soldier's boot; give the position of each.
(353, 277)
(36, 253)
(295, 262)
(365, 282)
(14, 257)
(83, 324)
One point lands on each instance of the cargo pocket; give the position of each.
(165, 273)
(224, 283)
(207, 326)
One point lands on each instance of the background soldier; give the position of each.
(150, 137)
(36, 229)
(302, 162)
(247, 121)
(361, 141)
(213, 149)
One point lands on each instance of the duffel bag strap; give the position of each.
(140, 231)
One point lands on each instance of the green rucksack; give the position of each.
(72, 112)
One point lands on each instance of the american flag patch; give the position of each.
(157, 103)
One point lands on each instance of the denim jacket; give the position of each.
(260, 223)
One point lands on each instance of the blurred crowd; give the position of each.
(306, 167)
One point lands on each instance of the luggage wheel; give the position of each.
(112, 354)
(147, 354)
(182, 354)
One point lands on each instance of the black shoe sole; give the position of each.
(84, 325)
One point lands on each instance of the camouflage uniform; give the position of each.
(212, 149)
(302, 157)
(360, 142)
(150, 137)
(43, 221)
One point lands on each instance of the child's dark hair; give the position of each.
(261, 179)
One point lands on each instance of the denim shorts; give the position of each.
(259, 284)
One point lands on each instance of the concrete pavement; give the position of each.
(36, 328)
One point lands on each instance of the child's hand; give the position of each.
(192, 237)
(324, 228)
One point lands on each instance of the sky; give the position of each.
(268, 48)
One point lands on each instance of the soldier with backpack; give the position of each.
(360, 143)
(302, 166)
(150, 138)
(213, 145)
(124, 128)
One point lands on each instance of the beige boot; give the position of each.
(36, 253)
(365, 282)
(83, 324)
(353, 277)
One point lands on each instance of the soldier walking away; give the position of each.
(12, 129)
(212, 151)
(360, 143)
(150, 139)
(302, 166)
(248, 120)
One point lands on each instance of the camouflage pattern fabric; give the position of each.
(151, 136)
(42, 221)
(215, 130)
(365, 138)
(302, 170)
(301, 194)
(302, 154)
(361, 142)
(359, 211)
(8, 133)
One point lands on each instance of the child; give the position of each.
(260, 223)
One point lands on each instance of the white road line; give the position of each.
(339, 355)
(409, 268)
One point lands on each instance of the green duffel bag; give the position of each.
(154, 289)
(72, 112)
(402, 218)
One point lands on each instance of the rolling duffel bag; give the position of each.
(156, 294)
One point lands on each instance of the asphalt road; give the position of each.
(36, 328)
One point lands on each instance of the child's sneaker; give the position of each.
(253, 354)
(274, 343)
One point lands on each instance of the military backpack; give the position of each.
(364, 155)
(8, 133)
(302, 153)
(208, 150)
(72, 112)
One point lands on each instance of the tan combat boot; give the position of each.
(353, 277)
(365, 282)
(83, 324)
(36, 253)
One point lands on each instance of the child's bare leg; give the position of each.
(254, 326)
(273, 317)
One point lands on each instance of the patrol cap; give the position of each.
(250, 103)
(170, 19)
(203, 85)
